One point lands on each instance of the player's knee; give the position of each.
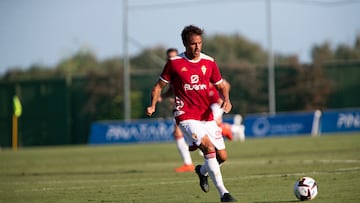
(221, 156)
(206, 146)
(207, 149)
(177, 136)
(177, 133)
(221, 160)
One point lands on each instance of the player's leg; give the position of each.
(214, 141)
(191, 129)
(221, 156)
(183, 149)
(198, 133)
(211, 164)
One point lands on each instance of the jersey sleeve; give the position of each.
(166, 73)
(215, 77)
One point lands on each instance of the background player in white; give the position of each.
(190, 73)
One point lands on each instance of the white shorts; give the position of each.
(195, 130)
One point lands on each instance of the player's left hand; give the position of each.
(226, 106)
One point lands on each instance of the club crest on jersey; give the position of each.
(203, 69)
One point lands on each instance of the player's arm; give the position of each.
(168, 93)
(155, 96)
(224, 90)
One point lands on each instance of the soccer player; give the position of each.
(190, 73)
(215, 104)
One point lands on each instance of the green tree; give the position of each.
(322, 52)
(81, 63)
(234, 50)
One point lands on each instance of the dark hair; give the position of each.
(190, 30)
(171, 50)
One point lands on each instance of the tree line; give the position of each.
(299, 86)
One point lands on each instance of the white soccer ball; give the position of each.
(305, 188)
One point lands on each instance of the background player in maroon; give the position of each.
(190, 73)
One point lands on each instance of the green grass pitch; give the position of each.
(257, 171)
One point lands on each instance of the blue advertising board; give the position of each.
(340, 121)
(256, 125)
(279, 124)
(148, 130)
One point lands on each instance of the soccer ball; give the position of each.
(305, 188)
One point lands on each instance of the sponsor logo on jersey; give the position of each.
(194, 79)
(195, 87)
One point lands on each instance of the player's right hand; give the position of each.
(150, 110)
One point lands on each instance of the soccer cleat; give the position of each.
(226, 131)
(227, 198)
(203, 179)
(185, 168)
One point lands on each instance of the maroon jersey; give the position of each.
(190, 80)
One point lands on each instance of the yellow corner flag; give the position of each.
(17, 106)
(17, 113)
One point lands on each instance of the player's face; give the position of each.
(193, 47)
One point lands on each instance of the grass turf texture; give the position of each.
(257, 171)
